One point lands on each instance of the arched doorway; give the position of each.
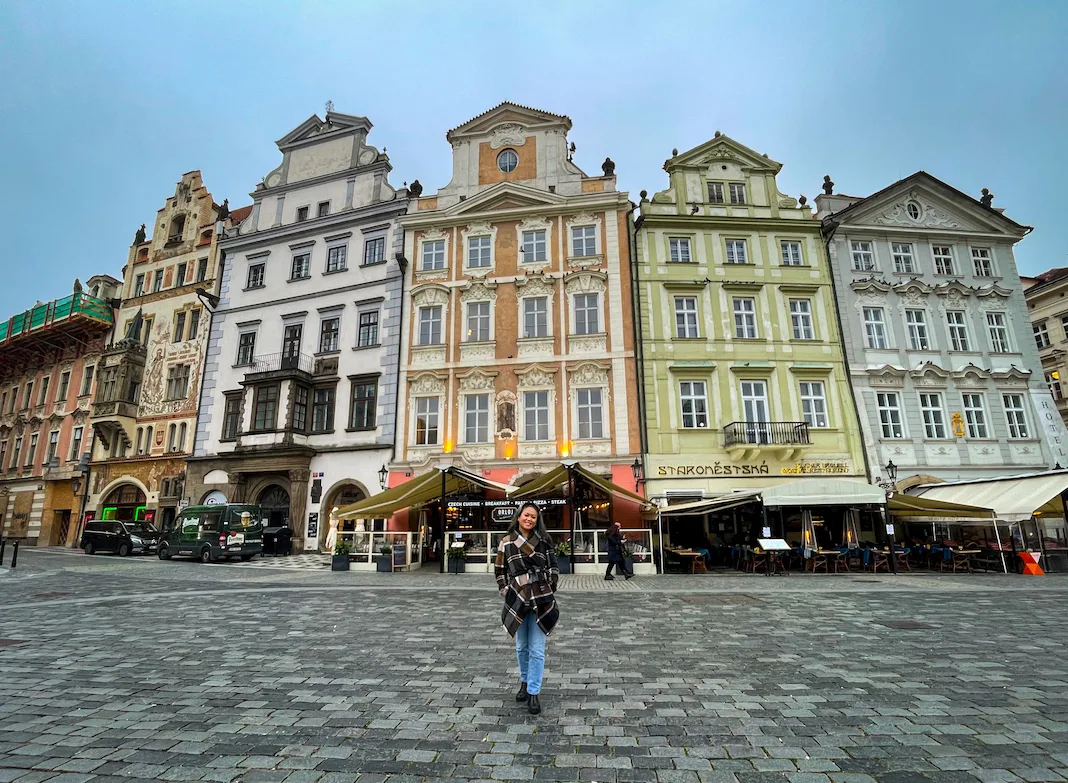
(125, 503)
(344, 495)
(274, 501)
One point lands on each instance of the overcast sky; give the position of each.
(103, 105)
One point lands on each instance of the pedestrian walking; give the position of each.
(614, 536)
(527, 575)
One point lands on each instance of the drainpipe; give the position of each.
(639, 351)
(402, 264)
(207, 347)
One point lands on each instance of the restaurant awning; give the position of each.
(912, 508)
(824, 492)
(554, 480)
(420, 490)
(712, 505)
(1013, 498)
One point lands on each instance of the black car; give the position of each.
(123, 538)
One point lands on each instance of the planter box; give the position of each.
(385, 564)
(564, 563)
(457, 565)
(339, 563)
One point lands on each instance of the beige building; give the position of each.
(1048, 308)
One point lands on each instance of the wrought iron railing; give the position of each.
(281, 361)
(768, 433)
(57, 311)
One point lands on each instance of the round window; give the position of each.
(507, 160)
(914, 210)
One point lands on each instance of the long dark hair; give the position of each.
(539, 527)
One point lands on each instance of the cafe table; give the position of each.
(962, 558)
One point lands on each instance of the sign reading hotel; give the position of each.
(756, 469)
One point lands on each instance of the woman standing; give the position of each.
(614, 535)
(527, 575)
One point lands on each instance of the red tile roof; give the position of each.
(238, 215)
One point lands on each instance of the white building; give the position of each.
(299, 396)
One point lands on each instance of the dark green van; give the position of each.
(213, 533)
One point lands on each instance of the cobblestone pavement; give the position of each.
(120, 670)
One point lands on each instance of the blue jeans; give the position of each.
(530, 652)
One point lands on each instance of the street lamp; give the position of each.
(891, 473)
(638, 472)
(383, 474)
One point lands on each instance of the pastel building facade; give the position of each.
(1048, 309)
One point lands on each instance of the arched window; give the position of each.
(177, 229)
(171, 431)
(140, 434)
(148, 441)
(181, 437)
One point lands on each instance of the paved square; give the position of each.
(140, 670)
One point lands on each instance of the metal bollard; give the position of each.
(3, 543)
(15, 554)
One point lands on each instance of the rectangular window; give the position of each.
(686, 317)
(300, 408)
(679, 250)
(1053, 380)
(53, 445)
(715, 192)
(179, 276)
(533, 246)
(745, 325)
(903, 259)
(1064, 326)
(265, 408)
(64, 387)
(916, 323)
(536, 415)
(302, 214)
(31, 452)
(694, 402)
(791, 254)
(87, 380)
(76, 444)
(736, 252)
(43, 396)
(586, 313)
(814, 403)
(364, 405)
(1015, 415)
(323, 410)
(889, 407)
(301, 268)
(179, 328)
(337, 258)
(737, 192)
(478, 322)
(958, 330)
(584, 241)
(177, 382)
(29, 395)
(801, 319)
(194, 324)
(975, 415)
(15, 454)
(157, 282)
(256, 274)
(139, 285)
(755, 411)
(536, 317)
(146, 332)
(1041, 335)
(430, 325)
(934, 418)
(999, 333)
(368, 334)
(202, 270)
(875, 328)
(476, 418)
(983, 262)
(426, 421)
(434, 255)
(943, 259)
(3, 454)
(323, 209)
(479, 251)
(590, 413)
(246, 348)
(329, 335)
(863, 256)
(232, 416)
(374, 251)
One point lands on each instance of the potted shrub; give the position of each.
(457, 559)
(563, 556)
(340, 561)
(385, 560)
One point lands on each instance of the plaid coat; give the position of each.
(532, 560)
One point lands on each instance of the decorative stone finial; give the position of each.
(415, 190)
(139, 237)
(802, 200)
(718, 134)
(674, 152)
(987, 199)
(608, 167)
(644, 194)
(828, 186)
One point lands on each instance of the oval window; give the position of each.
(914, 210)
(507, 161)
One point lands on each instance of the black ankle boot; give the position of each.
(534, 706)
(522, 695)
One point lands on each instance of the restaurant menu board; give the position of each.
(400, 556)
(773, 544)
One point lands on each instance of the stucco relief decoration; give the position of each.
(972, 377)
(427, 384)
(477, 381)
(534, 285)
(930, 216)
(536, 377)
(507, 135)
(479, 291)
(913, 295)
(586, 283)
(80, 416)
(429, 295)
(887, 376)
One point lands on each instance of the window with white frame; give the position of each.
(534, 246)
(737, 192)
(745, 325)
(337, 258)
(736, 252)
(686, 317)
(590, 413)
(943, 259)
(934, 417)
(536, 415)
(536, 316)
(368, 333)
(875, 328)
(791, 253)
(246, 348)
(956, 321)
(715, 192)
(177, 382)
(374, 251)
(679, 250)
(256, 273)
(430, 325)
(904, 261)
(426, 421)
(330, 335)
(139, 290)
(1064, 326)
(863, 256)
(801, 319)
(889, 407)
(975, 415)
(301, 268)
(433, 255)
(583, 241)
(587, 309)
(75, 444)
(478, 322)
(479, 251)
(916, 325)
(1041, 335)
(814, 403)
(1015, 415)
(693, 396)
(1053, 380)
(999, 333)
(476, 418)
(983, 262)
(53, 445)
